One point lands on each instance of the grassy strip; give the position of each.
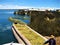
(16, 20)
(30, 35)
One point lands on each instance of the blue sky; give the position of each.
(16, 4)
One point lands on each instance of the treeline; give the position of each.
(46, 22)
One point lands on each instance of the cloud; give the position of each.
(13, 7)
(8, 6)
(0, 5)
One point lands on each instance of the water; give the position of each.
(6, 34)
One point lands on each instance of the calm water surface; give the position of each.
(6, 35)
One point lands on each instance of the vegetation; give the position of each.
(30, 35)
(20, 12)
(46, 22)
(23, 12)
(16, 20)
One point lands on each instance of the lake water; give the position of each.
(6, 34)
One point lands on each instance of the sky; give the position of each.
(18, 4)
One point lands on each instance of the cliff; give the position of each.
(46, 22)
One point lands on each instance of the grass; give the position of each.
(16, 20)
(30, 35)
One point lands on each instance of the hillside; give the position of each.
(46, 22)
